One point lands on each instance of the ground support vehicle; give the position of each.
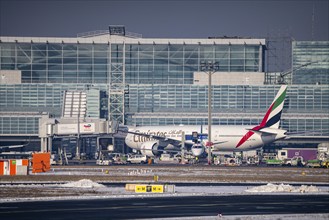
(166, 158)
(323, 154)
(103, 162)
(325, 163)
(314, 163)
(104, 159)
(253, 160)
(191, 159)
(118, 158)
(54, 159)
(232, 161)
(293, 156)
(295, 161)
(217, 161)
(227, 160)
(137, 158)
(305, 153)
(274, 162)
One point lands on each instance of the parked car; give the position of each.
(137, 158)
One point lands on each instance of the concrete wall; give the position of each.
(10, 77)
(230, 78)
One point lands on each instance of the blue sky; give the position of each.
(167, 18)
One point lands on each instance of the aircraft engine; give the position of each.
(197, 149)
(150, 148)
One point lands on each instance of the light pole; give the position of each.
(209, 68)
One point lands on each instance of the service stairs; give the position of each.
(75, 104)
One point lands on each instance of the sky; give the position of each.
(168, 18)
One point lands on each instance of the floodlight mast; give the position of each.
(209, 68)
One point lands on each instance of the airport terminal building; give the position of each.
(153, 81)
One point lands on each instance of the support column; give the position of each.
(43, 144)
(50, 143)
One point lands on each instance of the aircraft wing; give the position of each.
(145, 135)
(219, 142)
(174, 142)
(167, 141)
(156, 137)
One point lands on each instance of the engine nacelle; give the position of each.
(150, 148)
(197, 149)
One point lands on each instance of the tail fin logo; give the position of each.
(272, 116)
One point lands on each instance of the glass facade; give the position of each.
(19, 125)
(56, 63)
(306, 107)
(239, 98)
(310, 62)
(150, 63)
(38, 97)
(23, 99)
(158, 82)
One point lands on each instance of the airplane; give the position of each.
(153, 140)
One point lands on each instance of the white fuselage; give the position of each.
(224, 138)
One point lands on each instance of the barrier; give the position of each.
(130, 187)
(40, 162)
(149, 188)
(14, 167)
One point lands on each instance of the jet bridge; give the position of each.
(79, 123)
(72, 128)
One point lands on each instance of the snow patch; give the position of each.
(283, 188)
(139, 172)
(84, 183)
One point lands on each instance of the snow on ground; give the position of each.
(120, 192)
(101, 191)
(283, 188)
(209, 189)
(84, 183)
(265, 189)
(207, 174)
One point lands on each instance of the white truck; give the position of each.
(227, 160)
(295, 161)
(137, 158)
(166, 158)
